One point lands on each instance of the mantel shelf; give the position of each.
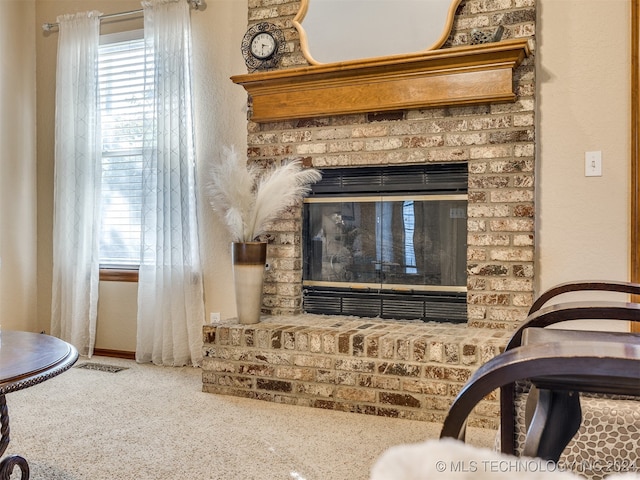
(453, 76)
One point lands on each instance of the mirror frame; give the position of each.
(304, 42)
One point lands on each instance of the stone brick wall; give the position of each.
(496, 140)
(348, 364)
(404, 369)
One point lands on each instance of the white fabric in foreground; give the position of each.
(453, 459)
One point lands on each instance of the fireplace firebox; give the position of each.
(387, 242)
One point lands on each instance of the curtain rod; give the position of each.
(196, 4)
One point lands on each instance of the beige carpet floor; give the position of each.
(155, 423)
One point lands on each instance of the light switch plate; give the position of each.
(593, 164)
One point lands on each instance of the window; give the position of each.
(409, 226)
(121, 72)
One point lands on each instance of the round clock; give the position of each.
(262, 46)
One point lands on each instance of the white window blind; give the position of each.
(121, 72)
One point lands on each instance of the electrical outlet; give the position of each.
(214, 317)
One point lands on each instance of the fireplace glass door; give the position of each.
(387, 242)
(390, 242)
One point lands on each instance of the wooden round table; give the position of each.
(27, 359)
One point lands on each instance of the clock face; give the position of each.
(263, 45)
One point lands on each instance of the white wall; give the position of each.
(221, 112)
(17, 166)
(583, 81)
(116, 323)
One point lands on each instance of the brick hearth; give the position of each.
(394, 369)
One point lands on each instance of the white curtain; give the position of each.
(170, 294)
(76, 183)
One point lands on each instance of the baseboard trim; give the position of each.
(105, 352)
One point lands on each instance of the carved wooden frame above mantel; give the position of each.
(453, 76)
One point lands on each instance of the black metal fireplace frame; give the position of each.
(427, 304)
(432, 178)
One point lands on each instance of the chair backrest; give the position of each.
(544, 316)
(523, 362)
(584, 286)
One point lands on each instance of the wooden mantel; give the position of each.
(453, 76)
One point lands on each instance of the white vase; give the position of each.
(248, 259)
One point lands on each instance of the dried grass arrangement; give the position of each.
(248, 197)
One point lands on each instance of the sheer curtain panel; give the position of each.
(170, 294)
(76, 183)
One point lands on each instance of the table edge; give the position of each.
(43, 374)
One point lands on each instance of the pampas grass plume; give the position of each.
(248, 197)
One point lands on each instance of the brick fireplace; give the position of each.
(407, 369)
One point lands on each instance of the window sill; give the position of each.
(118, 275)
